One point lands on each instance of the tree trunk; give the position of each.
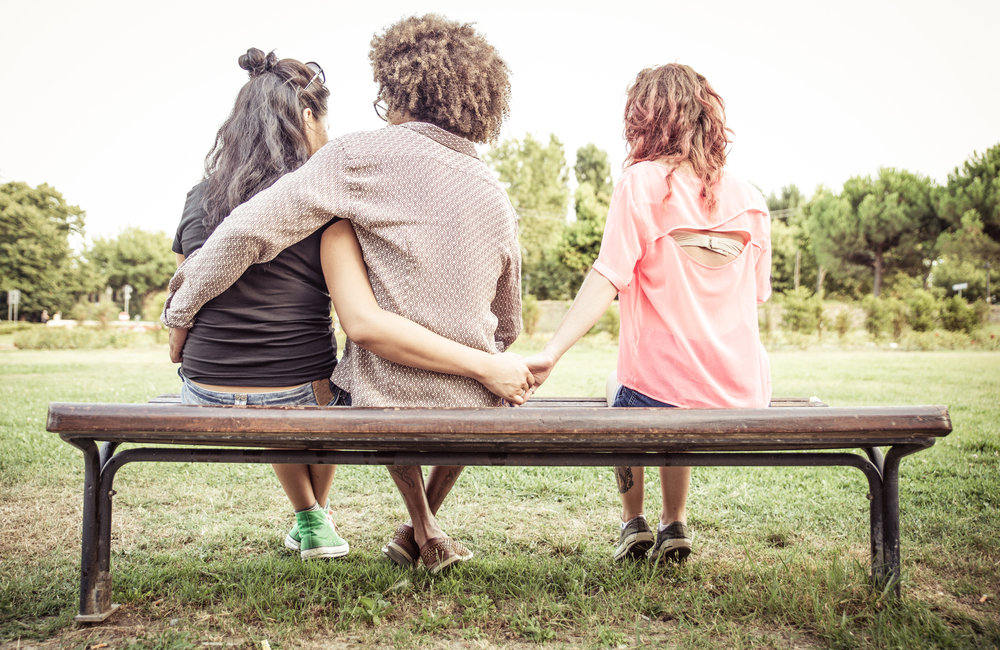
(878, 272)
(798, 265)
(820, 276)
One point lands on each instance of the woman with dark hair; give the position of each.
(267, 339)
(433, 225)
(687, 250)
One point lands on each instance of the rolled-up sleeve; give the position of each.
(623, 243)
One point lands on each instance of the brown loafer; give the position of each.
(439, 553)
(402, 548)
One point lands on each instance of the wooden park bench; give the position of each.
(544, 432)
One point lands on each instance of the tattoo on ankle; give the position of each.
(624, 477)
(401, 474)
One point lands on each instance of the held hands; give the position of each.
(178, 335)
(540, 365)
(506, 376)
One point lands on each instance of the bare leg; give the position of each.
(439, 484)
(296, 480)
(630, 487)
(674, 484)
(321, 478)
(409, 481)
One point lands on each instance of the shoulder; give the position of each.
(734, 188)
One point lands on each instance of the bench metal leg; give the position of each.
(95, 582)
(890, 500)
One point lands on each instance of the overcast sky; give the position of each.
(117, 103)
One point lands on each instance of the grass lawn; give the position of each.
(780, 558)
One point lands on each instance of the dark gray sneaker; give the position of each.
(672, 543)
(635, 540)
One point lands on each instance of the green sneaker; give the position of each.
(317, 538)
(672, 543)
(293, 540)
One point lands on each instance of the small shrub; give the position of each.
(878, 320)
(803, 311)
(530, 314)
(898, 316)
(959, 316)
(10, 327)
(768, 315)
(924, 309)
(842, 322)
(76, 338)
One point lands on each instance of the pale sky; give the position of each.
(117, 103)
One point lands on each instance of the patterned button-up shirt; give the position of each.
(437, 232)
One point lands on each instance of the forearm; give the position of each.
(402, 341)
(591, 302)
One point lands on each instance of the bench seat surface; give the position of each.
(542, 426)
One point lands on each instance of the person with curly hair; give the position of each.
(687, 251)
(435, 229)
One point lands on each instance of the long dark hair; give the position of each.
(264, 137)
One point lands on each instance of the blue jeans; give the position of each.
(304, 395)
(629, 397)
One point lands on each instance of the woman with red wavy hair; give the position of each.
(687, 250)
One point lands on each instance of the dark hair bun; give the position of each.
(257, 63)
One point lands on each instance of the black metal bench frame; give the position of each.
(546, 432)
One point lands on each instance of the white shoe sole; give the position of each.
(326, 552)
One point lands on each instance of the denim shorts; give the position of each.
(305, 395)
(628, 397)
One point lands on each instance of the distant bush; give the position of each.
(842, 322)
(878, 319)
(959, 316)
(530, 314)
(924, 309)
(78, 338)
(9, 327)
(803, 311)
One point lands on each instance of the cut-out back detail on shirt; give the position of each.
(722, 245)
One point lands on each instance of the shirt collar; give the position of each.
(439, 135)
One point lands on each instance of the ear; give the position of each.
(307, 116)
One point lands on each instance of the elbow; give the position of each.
(361, 331)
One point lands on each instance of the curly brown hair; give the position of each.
(672, 114)
(443, 72)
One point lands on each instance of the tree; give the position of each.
(793, 263)
(35, 253)
(537, 183)
(138, 258)
(970, 205)
(881, 225)
(592, 200)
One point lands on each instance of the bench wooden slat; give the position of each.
(561, 428)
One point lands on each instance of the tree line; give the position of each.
(896, 229)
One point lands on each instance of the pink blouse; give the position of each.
(689, 332)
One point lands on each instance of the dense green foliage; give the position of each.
(38, 230)
(35, 254)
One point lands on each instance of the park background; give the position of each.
(870, 128)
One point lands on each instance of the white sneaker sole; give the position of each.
(326, 552)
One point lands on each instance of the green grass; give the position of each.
(780, 553)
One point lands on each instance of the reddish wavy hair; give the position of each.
(673, 115)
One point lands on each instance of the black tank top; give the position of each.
(271, 328)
